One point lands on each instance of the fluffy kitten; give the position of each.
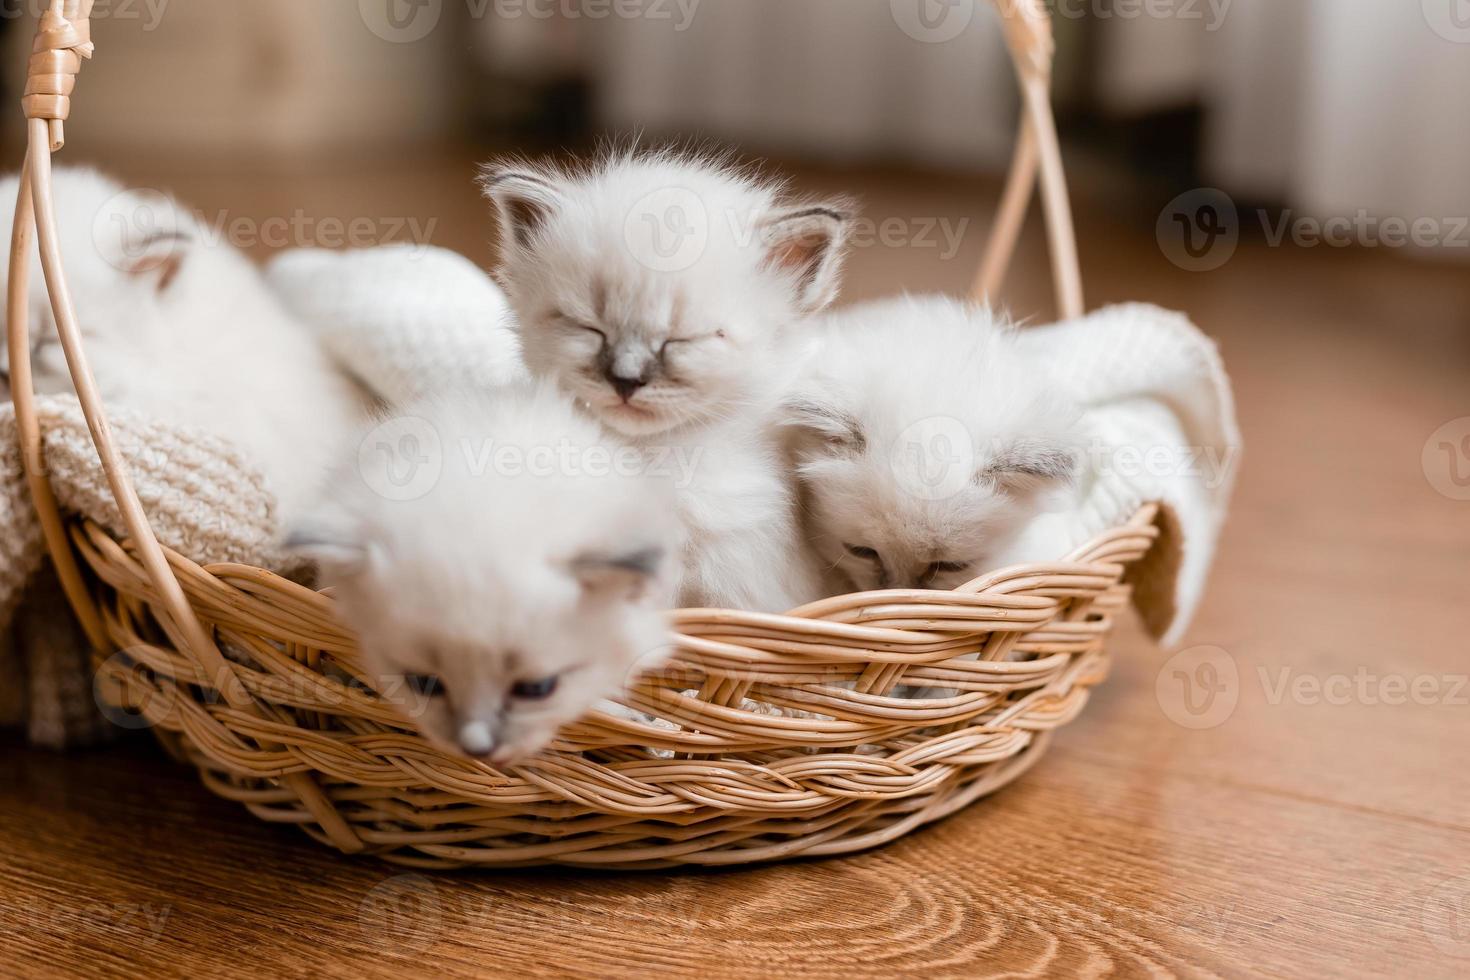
(508, 597)
(180, 326)
(665, 293)
(925, 442)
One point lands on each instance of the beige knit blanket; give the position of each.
(203, 498)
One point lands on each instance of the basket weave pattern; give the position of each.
(766, 736)
(792, 745)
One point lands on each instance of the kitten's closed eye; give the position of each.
(697, 338)
(862, 551)
(573, 323)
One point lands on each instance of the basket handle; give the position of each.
(1028, 34)
(63, 40)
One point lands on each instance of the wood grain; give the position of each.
(1302, 836)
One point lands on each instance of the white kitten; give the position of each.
(181, 327)
(665, 294)
(518, 588)
(925, 442)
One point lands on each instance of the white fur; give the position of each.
(181, 327)
(586, 263)
(499, 575)
(899, 394)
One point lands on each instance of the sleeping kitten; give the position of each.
(665, 293)
(924, 442)
(516, 590)
(182, 328)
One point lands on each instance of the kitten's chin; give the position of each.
(635, 420)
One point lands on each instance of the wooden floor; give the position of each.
(1320, 828)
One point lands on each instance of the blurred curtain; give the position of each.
(1365, 98)
(1330, 106)
(828, 79)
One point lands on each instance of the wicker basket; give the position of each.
(721, 779)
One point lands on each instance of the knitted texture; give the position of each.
(21, 548)
(1161, 418)
(202, 496)
(407, 320)
(203, 499)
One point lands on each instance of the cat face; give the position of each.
(872, 519)
(542, 646)
(924, 443)
(659, 292)
(502, 603)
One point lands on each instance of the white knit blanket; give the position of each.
(1161, 419)
(407, 320)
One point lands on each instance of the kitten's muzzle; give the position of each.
(629, 371)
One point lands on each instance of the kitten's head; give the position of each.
(510, 598)
(924, 444)
(125, 252)
(658, 289)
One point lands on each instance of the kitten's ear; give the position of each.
(627, 576)
(328, 539)
(146, 234)
(523, 202)
(157, 258)
(1027, 468)
(815, 424)
(807, 244)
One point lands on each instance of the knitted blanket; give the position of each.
(406, 320)
(1161, 417)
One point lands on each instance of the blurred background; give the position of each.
(1329, 105)
(1335, 109)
